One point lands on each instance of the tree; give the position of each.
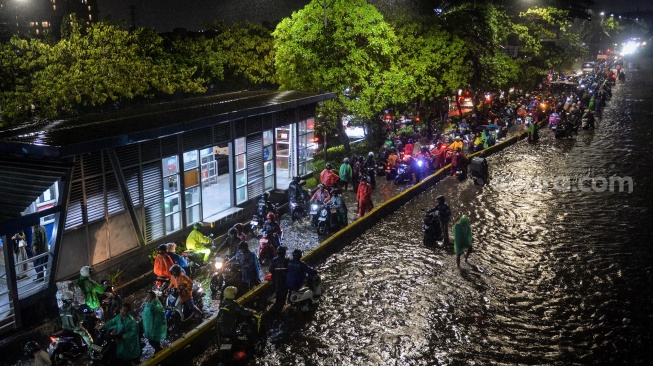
(354, 51)
(431, 65)
(89, 68)
(482, 27)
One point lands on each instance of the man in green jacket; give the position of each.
(462, 241)
(125, 328)
(91, 290)
(345, 173)
(71, 318)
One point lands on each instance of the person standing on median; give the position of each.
(346, 174)
(364, 197)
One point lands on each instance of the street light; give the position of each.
(602, 13)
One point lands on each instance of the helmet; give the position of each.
(31, 347)
(345, 160)
(232, 231)
(175, 270)
(370, 154)
(440, 198)
(243, 245)
(329, 166)
(230, 292)
(320, 186)
(163, 248)
(271, 216)
(335, 192)
(67, 297)
(197, 226)
(410, 141)
(85, 271)
(266, 196)
(297, 254)
(282, 250)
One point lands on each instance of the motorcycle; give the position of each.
(564, 130)
(262, 210)
(404, 174)
(178, 312)
(316, 207)
(308, 295)
(421, 168)
(65, 345)
(110, 301)
(224, 275)
(103, 349)
(160, 286)
(479, 170)
(267, 251)
(554, 120)
(432, 229)
(327, 222)
(300, 207)
(234, 349)
(461, 172)
(392, 173)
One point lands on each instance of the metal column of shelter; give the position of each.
(23, 181)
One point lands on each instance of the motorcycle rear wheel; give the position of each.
(321, 228)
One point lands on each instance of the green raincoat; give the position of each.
(462, 235)
(91, 290)
(129, 345)
(346, 173)
(155, 326)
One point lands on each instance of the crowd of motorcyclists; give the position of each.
(567, 106)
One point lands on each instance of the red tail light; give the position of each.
(240, 356)
(158, 283)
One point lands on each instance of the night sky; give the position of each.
(165, 15)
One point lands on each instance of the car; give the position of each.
(588, 67)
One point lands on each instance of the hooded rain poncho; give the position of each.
(462, 234)
(155, 326)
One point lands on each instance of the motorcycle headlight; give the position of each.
(218, 264)
(313, 207)
(419, 163)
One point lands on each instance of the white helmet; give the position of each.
(85, 271)
(67, 296)
(370, 154)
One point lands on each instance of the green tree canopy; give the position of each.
(354, 50)
(89, 67)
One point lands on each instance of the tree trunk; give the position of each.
(343, 135)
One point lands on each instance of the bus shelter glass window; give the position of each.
(268, 160)
(307, 145)
(192, 187)
(217, 191)
(241, 169)
(171, 194)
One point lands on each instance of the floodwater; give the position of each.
(558, 276)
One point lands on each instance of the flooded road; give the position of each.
(558, 276)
